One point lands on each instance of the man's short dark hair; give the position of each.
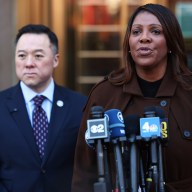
(39, 29)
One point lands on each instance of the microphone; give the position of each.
(150, 131)
(164, 138)
(117, 134)
(150, 125)
(154, 129)
(162, 130)
(132, 133)
(97, 124)
(164, 123)
(97, 131)
(116, 123)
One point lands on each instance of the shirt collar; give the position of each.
(28, 93)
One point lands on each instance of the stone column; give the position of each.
(7, 34)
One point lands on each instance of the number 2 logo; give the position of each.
(97, 128)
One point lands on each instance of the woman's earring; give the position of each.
(170, 52)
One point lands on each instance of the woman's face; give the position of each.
(148, 46)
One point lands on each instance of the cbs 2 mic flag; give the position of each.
(97, 128)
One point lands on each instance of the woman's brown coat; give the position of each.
(177, 104)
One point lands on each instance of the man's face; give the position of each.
(35, 60)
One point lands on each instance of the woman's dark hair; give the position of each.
(39, 29)
(175, 43)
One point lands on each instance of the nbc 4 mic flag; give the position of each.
(150, 126)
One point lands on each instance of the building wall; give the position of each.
(7, 26)
(16, 13)
(51, 13)
(54, 13)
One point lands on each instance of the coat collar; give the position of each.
(17, 108)
(167, 88)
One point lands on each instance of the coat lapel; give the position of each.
(59, 112)
(17, 109)
(58, 116)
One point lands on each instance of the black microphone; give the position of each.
(117, 136)
(97, 131)
(164, 138)
(132, 132)
(150, 130)
(164, 124)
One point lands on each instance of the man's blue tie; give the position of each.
(40, 124)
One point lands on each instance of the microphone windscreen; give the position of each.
(149, 108)
(132, 125)
(116, 123)
(159, 112)
(97, 125)
(96, 112)
(149, 111)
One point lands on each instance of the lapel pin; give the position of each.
(14, 110)
(60, 103)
